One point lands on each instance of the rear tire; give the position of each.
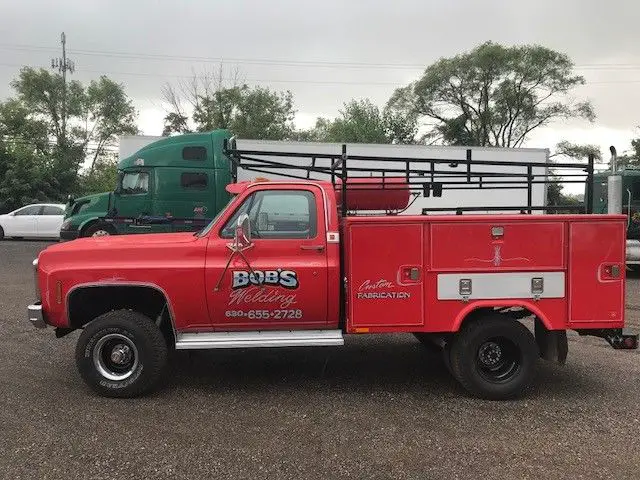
(121, 354)
(1, 234)
(494, 357)
(99, 229)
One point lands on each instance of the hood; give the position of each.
(117, 242)
(90, 203)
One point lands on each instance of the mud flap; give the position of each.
(552, 344)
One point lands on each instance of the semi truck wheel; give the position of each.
(98, 230)
(121, 354)
(494, 357)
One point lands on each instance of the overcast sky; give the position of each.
(317, 49)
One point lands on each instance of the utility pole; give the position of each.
(63, 65)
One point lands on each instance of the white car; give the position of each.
(42, 220)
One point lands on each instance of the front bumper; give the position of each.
(35, 315)
(66, 235)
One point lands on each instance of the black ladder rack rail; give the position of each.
(421, 175)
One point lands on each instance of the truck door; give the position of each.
(133, 199)
(282, 281)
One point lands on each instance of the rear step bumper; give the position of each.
(618, 338)
(279, 338)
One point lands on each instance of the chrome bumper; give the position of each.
(34, 313)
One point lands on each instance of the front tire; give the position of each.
(98, 230)
(494, 357)
(121, 354)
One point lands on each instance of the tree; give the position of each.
(249, 112)
(102, 178)
(631, 158)
(568, 151)
(361, 121)
(63, 126)
(494, 95)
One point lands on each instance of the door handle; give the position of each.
(317, 248)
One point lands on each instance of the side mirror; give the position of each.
(242, 239)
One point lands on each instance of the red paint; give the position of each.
(392, 265)
(375, 193)
(520, 248)
(595, 295)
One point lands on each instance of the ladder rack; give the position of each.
(422, 176)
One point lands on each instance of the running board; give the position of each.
(275, 338)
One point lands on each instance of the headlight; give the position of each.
(35, 277)
(65, 225)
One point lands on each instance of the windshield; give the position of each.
(206, 229)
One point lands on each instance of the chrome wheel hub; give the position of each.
(115, 356)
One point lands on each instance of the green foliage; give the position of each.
(631, 158)
(568, 151)
(494, 95)
(102, 178)
(575, 151)
(25, 176)
(48, 131)
(361, 121)
(249, 112)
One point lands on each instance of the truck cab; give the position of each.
(173, 184)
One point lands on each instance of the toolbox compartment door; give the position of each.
(385, 275)
(596, 272)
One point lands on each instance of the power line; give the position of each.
(265, 80)
(273, 62)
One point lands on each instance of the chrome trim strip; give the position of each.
(257, 339)
(495, 286)
(633, 252)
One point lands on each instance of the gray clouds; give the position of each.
(405, 32)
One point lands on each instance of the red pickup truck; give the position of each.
(283, 265)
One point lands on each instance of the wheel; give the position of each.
(494, 357)
(98, 230)
(121, 354)
(1, 234)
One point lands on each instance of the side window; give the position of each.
(194, 181)
(52, 210)
(135, 183)
(278, 214)
(30, 210)
(194, 153)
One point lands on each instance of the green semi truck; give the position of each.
(173, 184)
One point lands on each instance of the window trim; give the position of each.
(313, 213)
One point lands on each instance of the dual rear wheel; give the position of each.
(492, 357)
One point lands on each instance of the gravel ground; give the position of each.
(381, 407)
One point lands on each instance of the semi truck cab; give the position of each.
(174, 184)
